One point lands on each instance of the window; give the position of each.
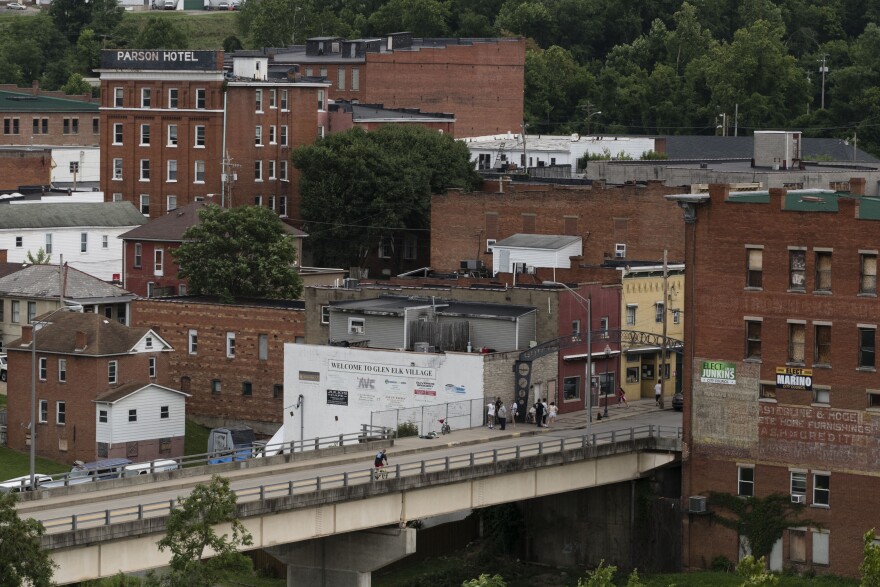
(152, 367)
(282, 170)
(117, 169)
(171, 203)
(571, 388)
(798, 483)
(386, 247)
(263, 347)
(96, 125)
(676, 316)
(15, 312)
(273, 98)
(117, 97)
(70, 126)
(273, 134)
(797, 545)
(181, 289)
(340, 78)
(150, 287)
(325, 314)
(60, 413)
(117, 196)
(215, 386)
(821, 394)
(200, 98)
(31, 311)
(258, 136)
(165, 446)
(172, 135)
(410, 247)
(284, 99)
(823, 271)
(145, 170)
(145, 97)
(283, 137)
(631, 314)
(172, 170)
(111, 372)
(753, 339)
(660, 310)
(867, 347)
(258, 170)
(200, 135)
(117, 133)
(820, 547)
(321, 98)
(172, 97)
(145, 135)
(159, 262)
(868, 273)
(164, 413)
(619, 249)
(271, 169)
(603, 326)
(132, 415)
(145, 204)
(42, 367)
(754, 268)
(83, 242)
(259, 100)
(797, 268)
(575, 329)
(102, 416)
(746, 481)
(48, 246)
(258, 200)
(277, 391)
(246, 388)
(796, 336)
(822, 345)
(357, 326)
(355, 78)
(199, 172)
(105, 241)
(821, 489)
(230, 344)
(137, 254)
(19, 242)
(44, 411)
(193, 342)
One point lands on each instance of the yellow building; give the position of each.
(642, 313)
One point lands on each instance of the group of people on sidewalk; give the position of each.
(497, 413)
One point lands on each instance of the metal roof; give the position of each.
(43, 281)
(57, 215)
(25, 102)
(395, 305)
(103, 336)
(538, 241)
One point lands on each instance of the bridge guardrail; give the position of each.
(120, 515)
(459, 415)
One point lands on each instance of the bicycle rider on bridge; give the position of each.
(381, 459)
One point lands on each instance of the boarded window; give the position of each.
(753, 339)
(797, 546)
(868, 274)
(823, 271)
(492, 225)
(754, 267)
(131, 450)
(797, 269)
(796, 337)
(528, 223)
(570, 225)
(621, 230)
(823, 345)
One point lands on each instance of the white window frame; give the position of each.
(62, 370)
(61, 413)
(273, 99)
(199, 136)
(42, 366)
(83, 242)
(284, 101)
(43, 416)
(273, 134)
(173, 98)
(201, 98)
(172, 171)
(282, 171)
(112, 372)
(192, 342)
(258, 100)
(282, 137)
(271, 169)
(105, 241)
(258, 135)
(170, 202)
(118, 97)
(144, 201)
(199, 172)
(172, 135)
(146, 97)
(145, 135)
(118, 135)
(740, 482)
(635, 314)
(48, 244)
(230, 345)
(159, 262)
(151, 369)
(325, 314)
(795, 485)
(357, 326)
(117, 169)
(145, 170)
(823, 494)
(258, 170)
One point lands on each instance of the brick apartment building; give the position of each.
(21, 166)
(81, 357)
(480, 81)
(615, 223)
(177, 129)
(780, 371)
(228, 357)
(32, 117)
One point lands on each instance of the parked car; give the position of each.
(678, 401)
(3, 362)
(15, 6)
(88, 472)
(156, 466)
(23, 483)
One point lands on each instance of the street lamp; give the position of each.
(607, 384)
(33, 424)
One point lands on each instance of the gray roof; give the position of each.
(75, 214)
(706, 147)
(553, 242)
(43, 281)
(395, 306)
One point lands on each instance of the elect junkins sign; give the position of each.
(718, 372)
(158, 59)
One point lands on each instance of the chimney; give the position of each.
(856, 188)
(27, 334)
(3, 256)
(80, 341)
(719, 192)
(777, 195)
(35, 87)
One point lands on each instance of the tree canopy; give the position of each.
(22, 559)
(239, 252)
(358, 187)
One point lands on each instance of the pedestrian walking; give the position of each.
(539, 414)
(502, 416)
(552, 411)
(621, 397)
(491, 411)
(497, 405)
(546, 411)
(658, 390)
(514, 408)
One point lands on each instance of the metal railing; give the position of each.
(460, 415)
(589, 444)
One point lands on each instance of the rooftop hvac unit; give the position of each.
(423, 347)
(350, 283)
(697, 504)
(798, 498)
(472, 264)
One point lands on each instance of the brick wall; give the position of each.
(637, 216)
(18, 168)
(138, 276)
(61, 128)
(173, 319)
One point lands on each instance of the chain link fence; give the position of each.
(460, 415)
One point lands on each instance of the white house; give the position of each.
(86, 234)
(521, 253)
(142, 413)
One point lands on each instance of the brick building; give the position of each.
(345, 115)
(228, 357)
(81, 357)
(178, 129)
(32, 116)
(20, 166)
(780, 380)
(615, 223)
(480, 81)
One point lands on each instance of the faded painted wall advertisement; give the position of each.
(816, 436)
(722, 372)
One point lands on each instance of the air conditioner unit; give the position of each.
(697, 504)
(421, 347)
(356, 329)
(798, 498)
(471, 264)
(349, 283)
(620, 250)
(530, 269)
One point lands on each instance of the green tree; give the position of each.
(160, 33)
(106, 16)
(70, 17)
(76, 85)
(870, 567)
(86, 56)
(22, 558)
(755, 574)
(191, 536)
(239, 252)
(485, 580)
(358, 187)
(554, 86)
(423, 18)
(41, 258)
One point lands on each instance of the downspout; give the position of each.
(223, 157)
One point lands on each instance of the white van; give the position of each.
(23, 483)
(156, 466)
(170, 4)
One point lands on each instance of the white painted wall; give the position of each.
(504, 258)
(368, 381)
(89, 159)
(149, 424)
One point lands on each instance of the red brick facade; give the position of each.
(140, 269)
(636, 216)
(810, 304)
(32, 116)
(25, 167)
(258, 404)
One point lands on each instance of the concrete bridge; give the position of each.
(360, 520)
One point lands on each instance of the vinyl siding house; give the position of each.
(523, 253)
(430, 324)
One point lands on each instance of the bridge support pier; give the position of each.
(344, 560)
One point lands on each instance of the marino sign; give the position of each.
(718, 372)
(794, 378)
(158, 59)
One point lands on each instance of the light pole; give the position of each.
(33, 424)
(607, 385)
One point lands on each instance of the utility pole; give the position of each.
(228, 180)
(525, 153)
(662, 373)
(823, 69)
